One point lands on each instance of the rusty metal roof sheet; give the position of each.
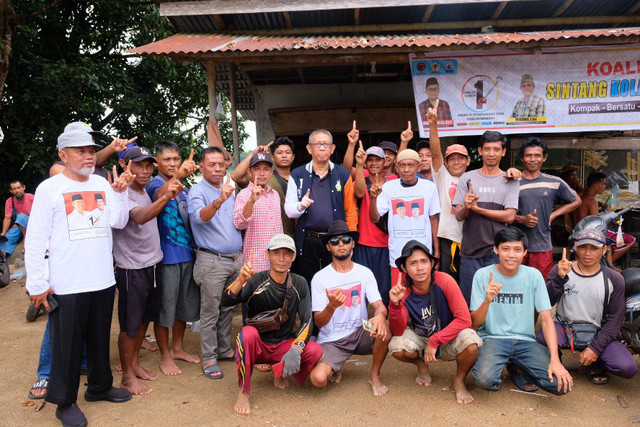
(210, 43)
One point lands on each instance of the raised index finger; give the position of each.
(409, 125)
(362, 148)
(115, 173)
(435, 106)
(491, 277)
(564, 254)
(191, 155)
(132, 140)
(354, 125)
(470, 189)
(129, 166)
(251, 257)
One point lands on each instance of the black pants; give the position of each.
(80, 317)
(446, 260)
(314, 257)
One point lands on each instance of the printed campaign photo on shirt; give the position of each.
(86, 214)
(347, 316)
(409, 219)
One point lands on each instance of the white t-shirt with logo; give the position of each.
(410, 209)
(359, 286)
(80, 245)
(449, 227)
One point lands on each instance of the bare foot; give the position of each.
(144, 374)
(263, 367)
(119, 367)
(149, 345)
(281, 383)
(423, 378)
(135, 386)
(242, 405)
(379, 389)
(183, 355)
(336, 377)
(168, 367)
(462, 394)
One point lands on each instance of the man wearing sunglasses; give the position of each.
(318, 193)
(338, 293)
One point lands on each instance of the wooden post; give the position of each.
(234, 113)
(211, 90)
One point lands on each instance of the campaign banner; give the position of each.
(533, 91)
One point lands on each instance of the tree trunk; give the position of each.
(8, 26)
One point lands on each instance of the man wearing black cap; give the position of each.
(80, 278)
(440, 319)
(255, 211)
(136, 251)
(338, 294)
(587, 292)
(432, 89)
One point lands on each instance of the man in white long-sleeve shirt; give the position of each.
(81, 279)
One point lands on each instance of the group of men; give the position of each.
(317, 242)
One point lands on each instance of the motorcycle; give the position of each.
(630, 333)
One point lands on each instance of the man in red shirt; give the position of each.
(440, 321)
(17, 210)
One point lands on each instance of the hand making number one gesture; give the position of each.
(306, 201)
(227, 189)
(407, 134)
(432, 113)
(354, 134)
(564, 266)
(397, 293)
(493, 289)
(361, 155)
(257, 190)
(246, 272)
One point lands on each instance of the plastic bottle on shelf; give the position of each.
(615, 192)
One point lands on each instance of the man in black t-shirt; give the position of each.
(262, 292)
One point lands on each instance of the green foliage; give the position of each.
(70, 64)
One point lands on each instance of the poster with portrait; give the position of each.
(552, 90)
(86, 214)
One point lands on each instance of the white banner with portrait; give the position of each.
(517, 91)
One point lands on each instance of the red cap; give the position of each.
(456, 148)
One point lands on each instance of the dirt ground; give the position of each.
(191, 399)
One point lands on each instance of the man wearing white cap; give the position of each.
(262, 292)
(81, 280)
(393, 195)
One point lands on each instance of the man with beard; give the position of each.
(260, 293)
(486, 200)
(341, 324)
(538, 193)
(440, 320)
(81, 279)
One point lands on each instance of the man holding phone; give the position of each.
(262, 293)
(440, 321)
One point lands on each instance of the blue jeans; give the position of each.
(468, 268)
(44, 364)
(14, 234)
(532, 357)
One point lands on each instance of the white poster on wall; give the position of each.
(517, 91)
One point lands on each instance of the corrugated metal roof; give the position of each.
(209, 43)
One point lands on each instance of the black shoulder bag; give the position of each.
(271, 320)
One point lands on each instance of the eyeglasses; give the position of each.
(320, 144)
(344, 239)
